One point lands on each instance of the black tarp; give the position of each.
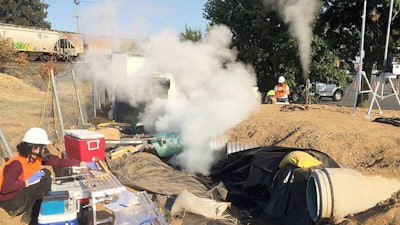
(260, 192)
(256, 184)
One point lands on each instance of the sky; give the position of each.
(132, 18)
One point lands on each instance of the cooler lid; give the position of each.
(84, 134)
(56, 195)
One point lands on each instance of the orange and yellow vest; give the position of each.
(281, 90)
(28, 169)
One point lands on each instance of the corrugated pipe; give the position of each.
(221, 144)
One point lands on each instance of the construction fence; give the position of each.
(61, 102)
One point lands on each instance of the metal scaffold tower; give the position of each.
(392, 70)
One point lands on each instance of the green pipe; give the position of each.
(168, 144)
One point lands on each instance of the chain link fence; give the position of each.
(64, 101)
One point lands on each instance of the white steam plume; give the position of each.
(300, 16)
(213, 91)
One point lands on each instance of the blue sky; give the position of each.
(132, 18)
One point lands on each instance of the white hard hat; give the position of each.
(36, 135)
(281, 79)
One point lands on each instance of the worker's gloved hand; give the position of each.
(92, 165)
(35, 178)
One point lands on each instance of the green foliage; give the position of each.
(257, 33)
(340, 26)
(263, 40)
(24, 13)
(190, 34)
(286, 63)
(324, 67)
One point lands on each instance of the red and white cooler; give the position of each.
(84, 144)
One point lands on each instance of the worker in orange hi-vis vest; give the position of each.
(282, 90)
(23, 180)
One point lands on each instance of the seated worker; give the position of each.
(23, 181)
(282, 90)
(270, 97)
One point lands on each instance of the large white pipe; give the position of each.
(334, 193)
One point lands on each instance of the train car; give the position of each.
(41, 44)
(46, 44)
(76, 40)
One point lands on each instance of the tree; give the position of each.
(263, 40)
(323, 67)
(24, 13)
(9, 54)
(340, 26)
(256, 34)
(190, 34)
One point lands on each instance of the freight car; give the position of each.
(46, 44)
(42, 44)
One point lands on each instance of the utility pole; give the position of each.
(77, 15)
(360, 66)
(113, 14)
(388, 33)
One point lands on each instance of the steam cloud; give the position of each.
(210, 93)
(213, 92)
(299, 15)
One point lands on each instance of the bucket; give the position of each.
(334, 193)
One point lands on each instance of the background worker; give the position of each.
(282, 90)
(270, 97)
(23, 180)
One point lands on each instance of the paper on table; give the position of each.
(125, 199)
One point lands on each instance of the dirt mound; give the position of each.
(10, 86)
(343, 133)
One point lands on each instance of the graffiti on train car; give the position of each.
(21, 46)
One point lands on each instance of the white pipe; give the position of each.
(360, 66)
(388, 32)
(334, 193)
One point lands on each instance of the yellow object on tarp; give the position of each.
(300, 159)
(107, 124)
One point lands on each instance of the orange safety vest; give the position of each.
(281, 90)
(28, 169)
